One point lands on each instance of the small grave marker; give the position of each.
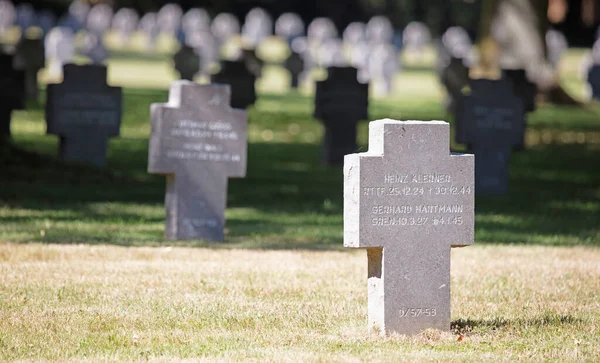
(84, 111)
(492, 118)
(340, 102)
(12, 91)
(241, 80)
(408, 201)
(187, 62)
(199, 142)
(30, 57)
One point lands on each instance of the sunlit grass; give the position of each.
(100, 302)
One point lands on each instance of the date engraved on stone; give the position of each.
(417, 312)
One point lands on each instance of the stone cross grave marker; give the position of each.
(187, 62)
(294, 64)
(12, 92)
(492, 119)
(199, 142)
(340, 102)
(84, 111)
(241, 80)
(30, 57)
(289, 26)
(408, 201)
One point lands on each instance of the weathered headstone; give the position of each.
(289, 25)
(84, 111)
(195, 20)
(207, 47)
(148, 25)
(379, 30)
(224, 26)
(125, 22)
(257, 26)
(383, 65)
(415, 37)
(241, 80)
(169, 18)
(492, 120)
(60, 49)
(294, 64)
(99, 18)
(12, 90)
(8, 15)
(30, 57)
(187, 62)
(408, 201)
(199, 142)
(355, 33)
(340, 102)
(321, 29)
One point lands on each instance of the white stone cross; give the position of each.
(408, 201)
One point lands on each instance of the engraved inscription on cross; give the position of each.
(493, 124)
(84, 111)
(408, 201)
(199, 142)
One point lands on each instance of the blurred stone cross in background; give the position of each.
(199, 142)
(12, 92)
(408, 201)
(84, 111)
(492, 119)
(340, 102)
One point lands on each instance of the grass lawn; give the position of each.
(86, 274)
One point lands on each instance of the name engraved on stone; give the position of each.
(408, 201)
(199, 142)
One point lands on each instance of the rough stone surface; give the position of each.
(493, 124)
(408, 201)
(199, 142)
(84, 111)
(340, 102)
(241, 81)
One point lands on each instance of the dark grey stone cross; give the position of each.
(199, 142)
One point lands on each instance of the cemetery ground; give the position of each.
(86, 274)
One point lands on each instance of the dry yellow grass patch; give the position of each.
(105, 302)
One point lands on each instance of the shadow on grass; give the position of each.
(287, 199)
(466, 326)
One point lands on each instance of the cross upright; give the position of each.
(493, 121)
(199, 142)
(408, 201)
(84, 111)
